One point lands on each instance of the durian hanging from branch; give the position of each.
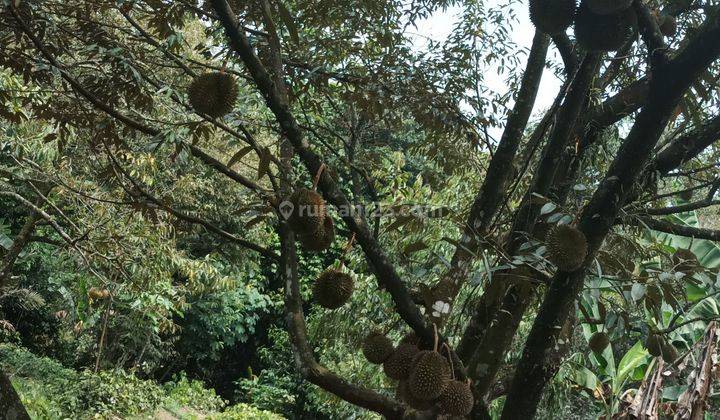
(377, 347)
(333, 288)
(567, 247)
(552, 16)
(309, 218)
(213, 94)
(430, 374)
(603, 32)
(457, 398)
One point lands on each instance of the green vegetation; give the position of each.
(51, 391)
(302, 209)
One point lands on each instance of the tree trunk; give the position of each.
(11, 408)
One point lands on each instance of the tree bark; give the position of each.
(11, 408)
(670, 80)
(490, 351)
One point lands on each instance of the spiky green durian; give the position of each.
(377, 347)
(598, 342)
(429, 376)
(333, 288)
(552, 16)
(567, 247)
(321, 239)
(404, 394)
(213, 94)
(457, 399)
(597, 32)
(399, 364)
(308, 212)
(654, 344)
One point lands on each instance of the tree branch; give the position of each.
(384, 270)
(675, 229)
(308, 366)
(109, 110)
(667, 86)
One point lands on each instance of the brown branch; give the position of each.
(670, 81)
(675, 229)
(489, 197)
(11, 407)
(385, 272)
(687, 146)
(489, 352)
(664, 211)
(111, 111)
(303, 352)
(568, 52)
(21, 240)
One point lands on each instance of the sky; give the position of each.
(438, 26)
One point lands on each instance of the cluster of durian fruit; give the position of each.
(655, 344)
(425, 376)
(310, 220)
(600, 25)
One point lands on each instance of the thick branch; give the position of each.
(667, 86)
(384, 270)
(680, 230)
(21, 240)
(525, 217)
(10, 405)
(687, 146)
(499, 172)
(308, 366)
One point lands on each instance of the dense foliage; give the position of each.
(147, 149)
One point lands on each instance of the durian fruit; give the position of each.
(598, 342)
(403, 393)
(608, 7)
(654, 344)
(669, 352)
(567, 247)
(412, 338)
(321, 239)
(596, 32)
(213, 94)
(552, 16)
(457, 399)
(308, 213)
(668, 27)
(333, 288)
(377, 347)
(685, 261)
(430, 375)
(399, 364)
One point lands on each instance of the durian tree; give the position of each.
(557, 225)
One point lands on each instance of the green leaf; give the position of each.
(239, 155)
(585, 378)
(632, 359)
(547, 208)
